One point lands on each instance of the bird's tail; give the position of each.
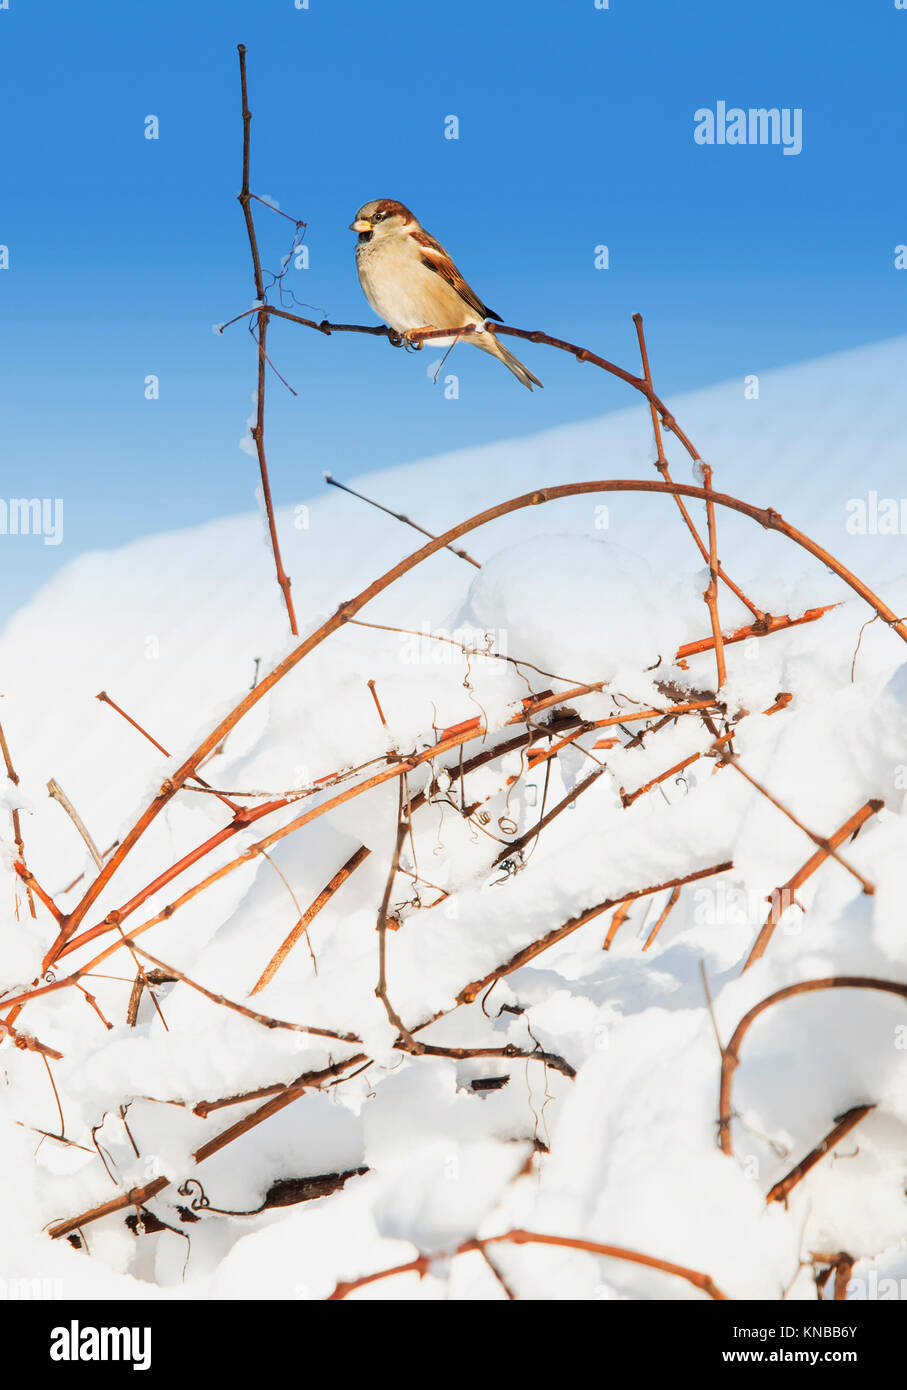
(492, 344)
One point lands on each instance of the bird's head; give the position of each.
(382, 218)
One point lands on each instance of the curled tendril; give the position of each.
(199, 1202)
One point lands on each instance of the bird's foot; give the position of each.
(412, 341)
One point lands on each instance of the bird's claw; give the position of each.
(408, 337)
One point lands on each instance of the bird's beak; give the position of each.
(360, 225)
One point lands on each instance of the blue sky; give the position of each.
(575, 130)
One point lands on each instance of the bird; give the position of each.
(411, 282)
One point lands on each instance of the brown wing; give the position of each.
(436, 258)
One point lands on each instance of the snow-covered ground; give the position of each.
(595, 589)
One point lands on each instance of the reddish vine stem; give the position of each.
(845, 1123)
(106, 700)
(785, 893)
(356, 858)
(711, 593)
(663, 916)
(840, 1264)
(627, 798)
(422, 1263)
(763, 628)
(199, 781)
(730, 1056)
(522, 957)
(31, 882)
(662, 466)
(515, 846)
(507, 1052)
(620, 916)
(27, 1043)
(403, 829)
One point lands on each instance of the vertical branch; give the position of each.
(245, 197)
(617, 921)
(258, 432)
(662, 466)
(663, 917)
(17, 824)
(711, 593)
(403, 829)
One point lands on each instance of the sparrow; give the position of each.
(411, 282)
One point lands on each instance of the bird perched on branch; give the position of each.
(411, 282)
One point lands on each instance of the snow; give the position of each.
(599, 589)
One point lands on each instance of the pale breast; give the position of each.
(404, 292)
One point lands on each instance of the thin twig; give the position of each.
(403, 829)
(663, 916)
(302, 926)
(733, 761)
(56, 792)
(299, 923)
(14, 815)
(620, 916)
(398, 516)
(711, 593)
(199, 781)
(31, 882)
(264, 1019)
(762, 628)
(844, 1124)
(515, 846)
(784, 895)
(628, 798)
